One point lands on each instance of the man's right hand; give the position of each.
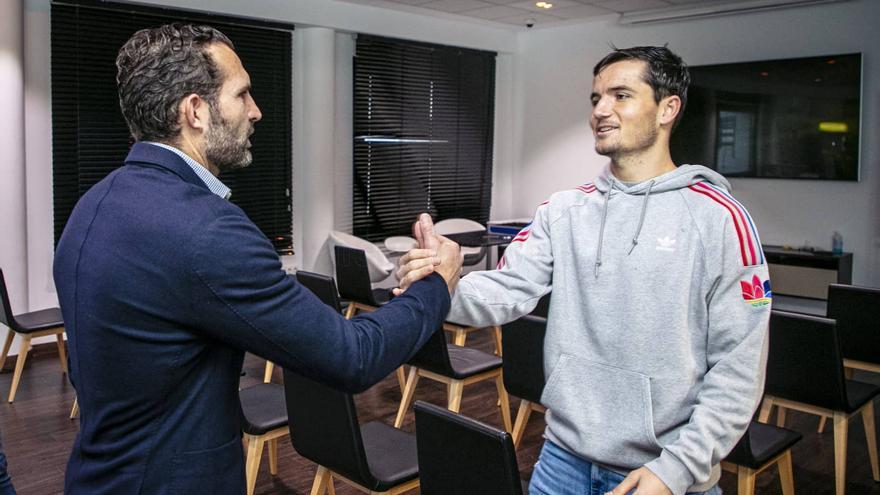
(435, 253)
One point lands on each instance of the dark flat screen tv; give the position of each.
(792, 118)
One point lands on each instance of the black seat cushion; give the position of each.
(859, 393)
(766, 442)
(382, 296)
(39, 320)
(391, 454)
(467, 362)
(263, 408)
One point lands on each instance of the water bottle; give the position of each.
(836, 244)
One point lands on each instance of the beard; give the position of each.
(617, 150)
(227, 147)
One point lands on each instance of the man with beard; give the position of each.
(164, 284)
(657, 330)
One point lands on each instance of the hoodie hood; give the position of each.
(683, 176)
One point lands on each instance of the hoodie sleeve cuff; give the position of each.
(672, 473)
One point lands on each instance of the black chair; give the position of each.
(324, 429)
(353, 277)
(857, 313)
(805, 373)
(524, 367)
(761, 447)
(462, 456)
(29, 326)
(263, 419)
(322, 286)
(456, 367)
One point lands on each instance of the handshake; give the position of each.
(434, 254)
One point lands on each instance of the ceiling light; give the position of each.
(543, 5)
(698, 11)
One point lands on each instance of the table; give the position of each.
(480, 238)
(806, 273)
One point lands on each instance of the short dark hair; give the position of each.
(666, 73)
(158, 67)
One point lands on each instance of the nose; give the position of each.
(602, 108)
(254, 113)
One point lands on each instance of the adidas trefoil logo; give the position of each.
(665, 244)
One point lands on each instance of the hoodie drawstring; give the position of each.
(635, 240)
(602, 232)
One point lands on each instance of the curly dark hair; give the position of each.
(158, 67)
(666, 73)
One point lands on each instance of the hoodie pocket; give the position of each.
(601, 411)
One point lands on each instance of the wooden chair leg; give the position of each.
(522, 419)
(766, 409)
(322, 479)
(273, 457)
(786, 474)
(780, 418)
(505, 402)
(19, 365)
(871, 435)
(62, 354)
(401, 378)
(408, 393)
(9, 337)
(745, 481)
(848, 373)
(496, 335)
(270, 369)
(822, 424)
(456, 388)
(252, 464)
(841, 428)
(74, 411)
(350, 310)
(459, 336)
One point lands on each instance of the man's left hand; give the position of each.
(643, 481)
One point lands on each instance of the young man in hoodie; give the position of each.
(657, 331)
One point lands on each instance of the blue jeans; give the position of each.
(6, 487)
(558, 472)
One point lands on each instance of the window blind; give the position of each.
(423, 134)
(89, 135)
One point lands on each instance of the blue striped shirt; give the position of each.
(214, 184)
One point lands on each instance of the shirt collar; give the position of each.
(214, 184)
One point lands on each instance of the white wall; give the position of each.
(555, 70)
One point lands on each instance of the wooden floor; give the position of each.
(37, 434)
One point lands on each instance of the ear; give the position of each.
(669, 109)
(194, 113)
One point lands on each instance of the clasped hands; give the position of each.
(434, 254)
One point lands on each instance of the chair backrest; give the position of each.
(353, 276)
(434, 355)
(523, 354)
(324, 427)
(804, 363)
(460, 456)
(378, 265)
(6, 316)
(322, 286)
(457, 225)
(857, 313)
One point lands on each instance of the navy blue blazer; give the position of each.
(164, 286)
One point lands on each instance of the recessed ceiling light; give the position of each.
(543, 5)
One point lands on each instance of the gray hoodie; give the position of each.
(657, 332)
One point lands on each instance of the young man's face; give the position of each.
(227, 144)
(625, 116)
